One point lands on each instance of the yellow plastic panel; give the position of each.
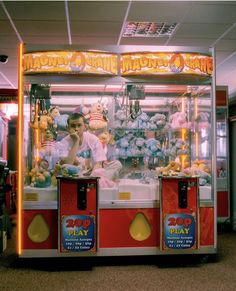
(38, 230)
(140, 228)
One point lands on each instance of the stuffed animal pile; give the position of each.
(142, 121)
(40, 175)
(177, 147)
(200, 168)
(172, 169)
(132, 146)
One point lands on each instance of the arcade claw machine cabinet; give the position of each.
(152, 112)
(222, 156)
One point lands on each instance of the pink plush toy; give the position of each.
(178, 120)
(103, 181)
(97, 119)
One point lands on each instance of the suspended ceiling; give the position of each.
(199, 24)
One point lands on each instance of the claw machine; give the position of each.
(222, 155)
(151, 113)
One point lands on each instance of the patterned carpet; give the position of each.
(129, 273)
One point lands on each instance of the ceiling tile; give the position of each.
(158, 11)
(218, 12)
(97, 10)
(6, 28)
(226, 44)
(41, 28)
(36, 10)
(232, 33)
(2, 14)
(95, 28)
(90, 40)
(201, 30)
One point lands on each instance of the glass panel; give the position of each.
(3, 137)
(143, 129)
(221, 142)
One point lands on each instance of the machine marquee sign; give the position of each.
(70, 62)
(103, 63)
(166, 63)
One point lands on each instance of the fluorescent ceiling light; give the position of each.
(148, 29)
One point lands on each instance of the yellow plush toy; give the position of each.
(172, 169)
(200, 165)
(44, 121)
(40, 176)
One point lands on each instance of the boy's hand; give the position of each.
(74, 136)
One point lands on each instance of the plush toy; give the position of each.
(54, 112)
(40, 176)
(48, 149)
(121, 119)
(41, 122)
(140, 142)
(54, 173)
(103, 181)
(202, 120)
(157, 121)
(177, 147)
(68, 170)
(44, 121)
(153, 148)
(61, 121)
(143, 120)
(97, 118)
(200, 165)
(172, 169)
(47, 145)
(107, 141)
(178, 120)
(86, 113)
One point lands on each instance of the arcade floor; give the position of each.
(130, 273)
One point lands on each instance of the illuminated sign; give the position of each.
(102, 63)
(166, 63)
(70, 62)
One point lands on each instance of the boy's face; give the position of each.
(77, 126)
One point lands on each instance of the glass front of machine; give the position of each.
(145, 130)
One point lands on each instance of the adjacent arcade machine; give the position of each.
(153, 113)
(222, 156)
(8, 117)
(232, 135)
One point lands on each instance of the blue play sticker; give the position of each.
(78, 233)
(179, 231)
